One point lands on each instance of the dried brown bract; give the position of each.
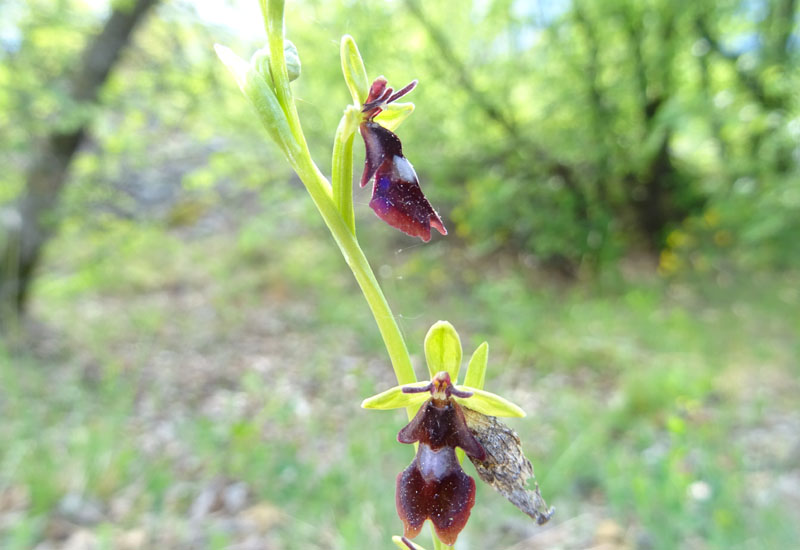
(506, 468)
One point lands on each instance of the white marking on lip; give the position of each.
(404, 169)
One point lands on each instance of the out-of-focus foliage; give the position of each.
(659, 415)
(581, 130)
(171, 138)
(573, 132)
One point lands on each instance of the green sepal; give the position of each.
(443, 350)
(394, 114)
(488, 403)
(355, 74)
(394, 398)
(400, 544)
(476, 370)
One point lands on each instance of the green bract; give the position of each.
(342, 165)
(235, 64)
(258, 88)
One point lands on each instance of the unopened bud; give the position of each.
(260, 62)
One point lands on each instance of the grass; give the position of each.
(172, 368)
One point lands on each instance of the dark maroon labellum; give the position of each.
(434, 486)
(396, 195)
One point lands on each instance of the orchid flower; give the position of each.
(453, 421)
(396, 195)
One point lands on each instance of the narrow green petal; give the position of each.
(394, 114)
(443, 350)
(355, 75)
(400, 544)
(476, 370)
(394, 398)
(488, 403)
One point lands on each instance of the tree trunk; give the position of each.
(33, 219)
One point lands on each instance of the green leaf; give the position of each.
(488, 403)
(476, 370)
(394, 114)
(394, 398)
(443, 350)
(355, 74)
(400, 544)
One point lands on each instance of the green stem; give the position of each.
(315, 183)
(337, 208)
(272, 10)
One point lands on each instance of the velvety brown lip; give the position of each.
(434, 486)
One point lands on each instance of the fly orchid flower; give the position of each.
(434, 486)
(396, 195)
(451, 420)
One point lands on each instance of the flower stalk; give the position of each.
(275, 105)
(433, 487)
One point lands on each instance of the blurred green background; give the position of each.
(185, 366)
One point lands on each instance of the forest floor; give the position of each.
(174, 392)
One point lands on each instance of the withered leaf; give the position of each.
(506, 468)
